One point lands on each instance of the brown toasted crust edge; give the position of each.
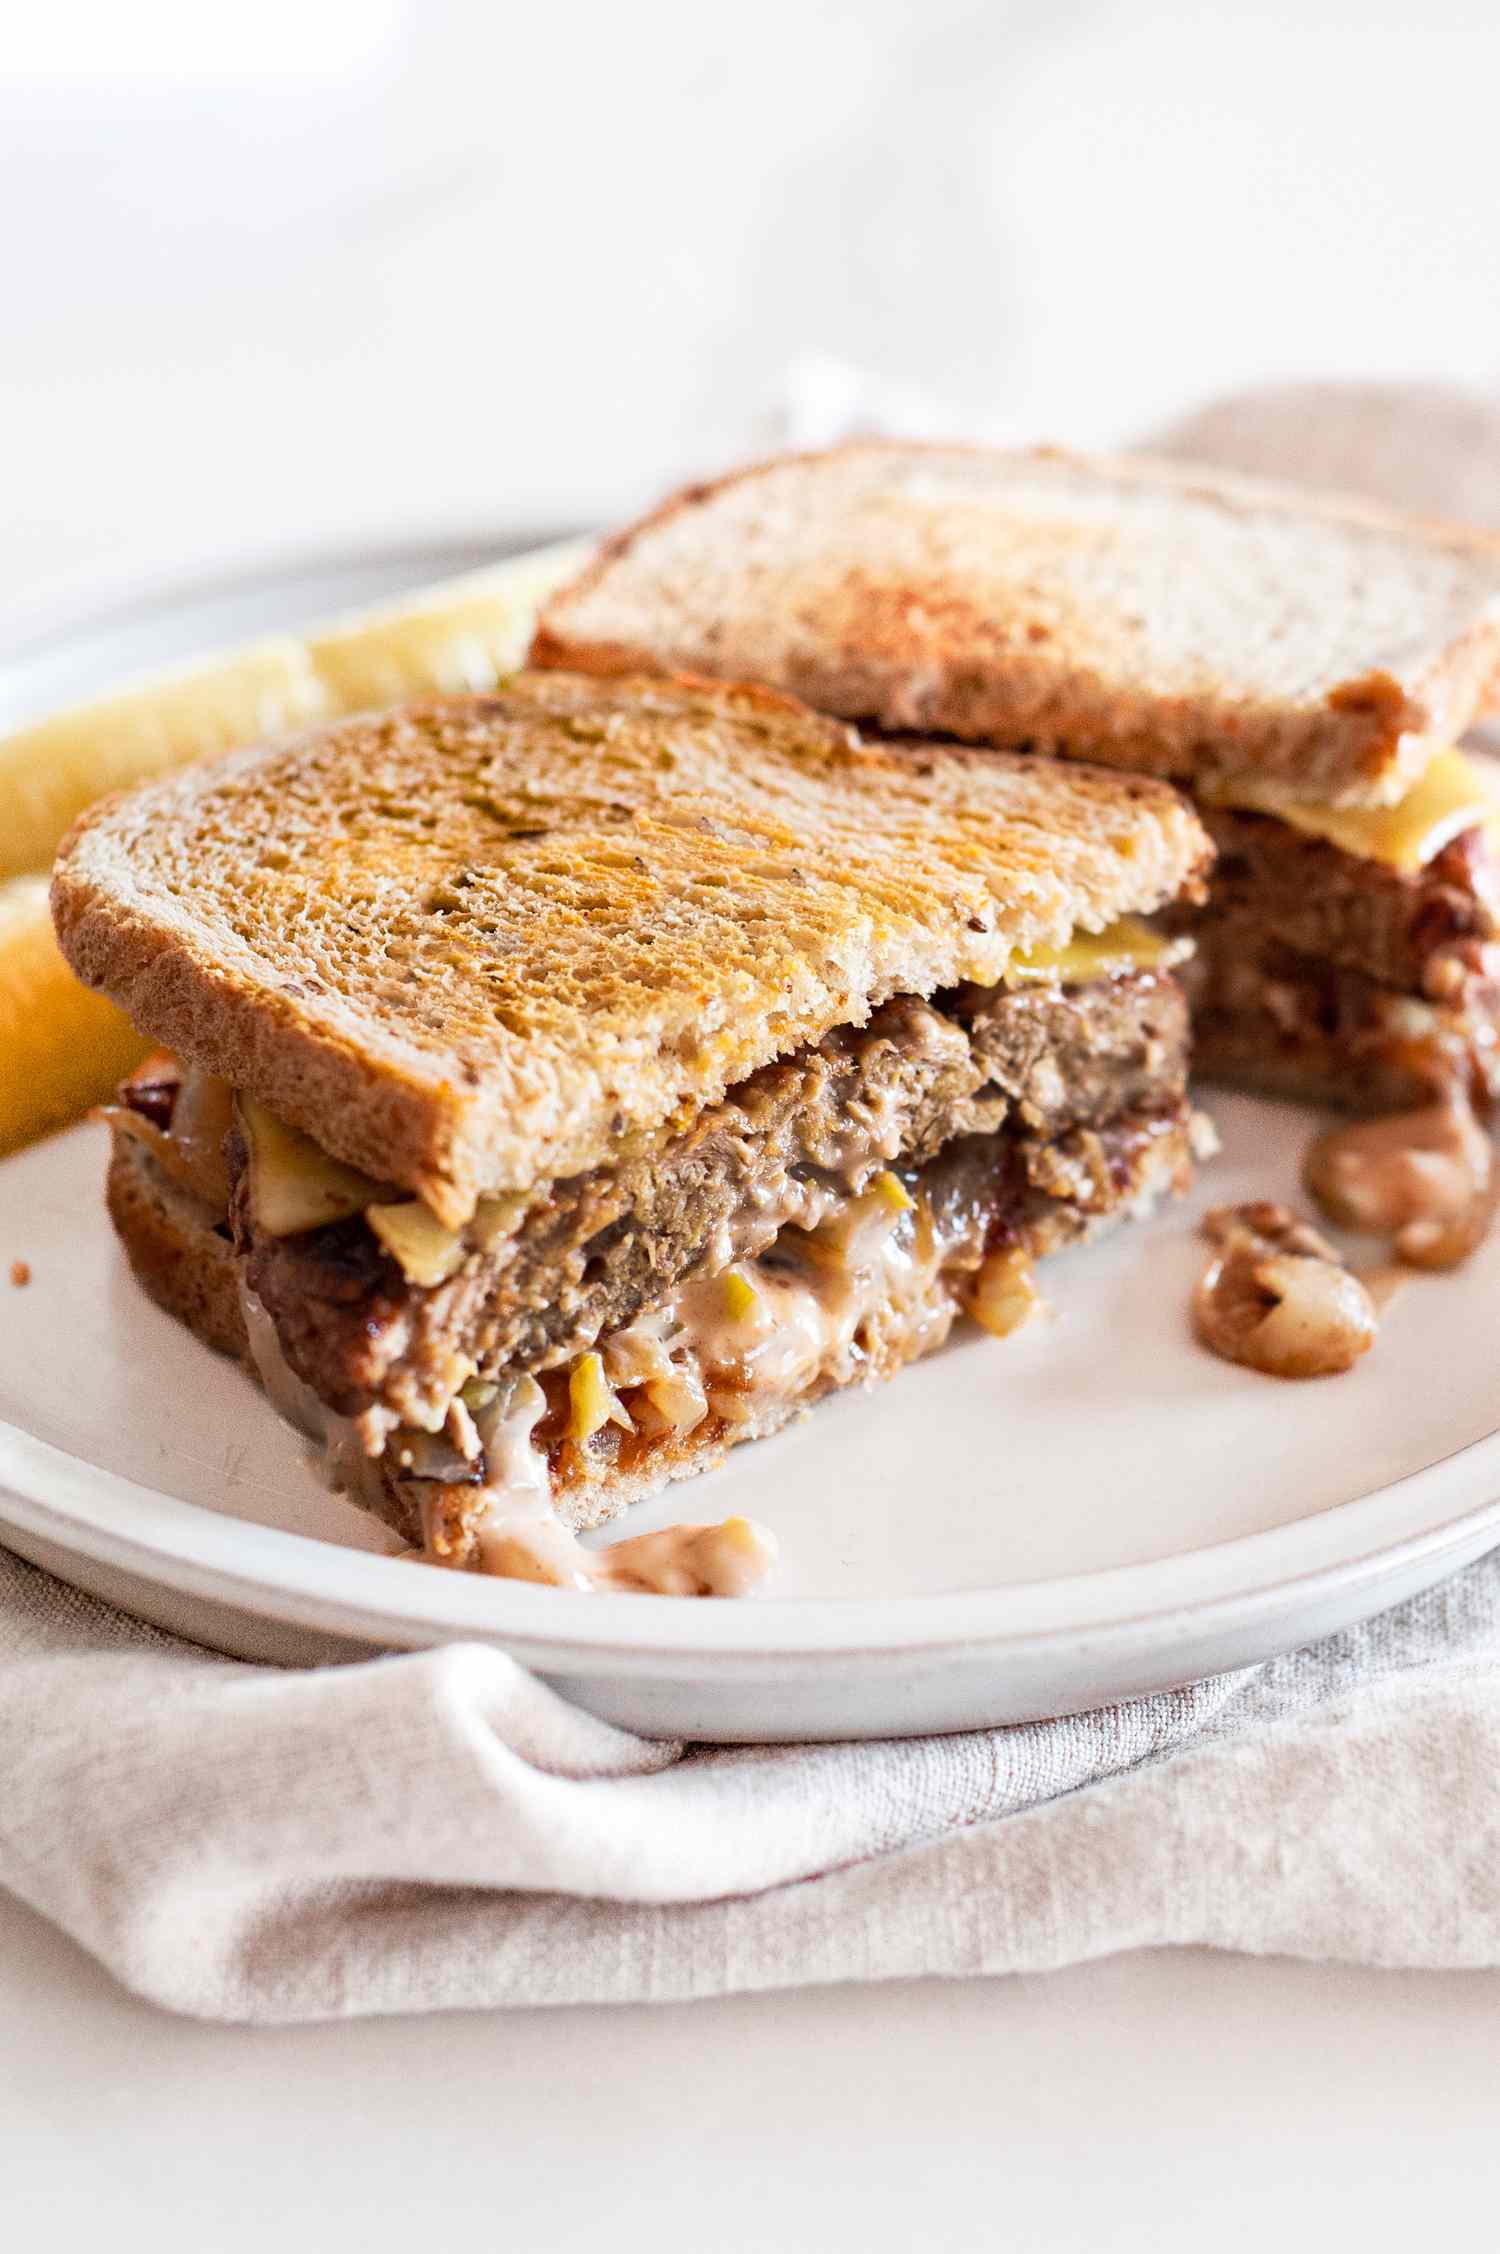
(364, 1095)
(1376, 715)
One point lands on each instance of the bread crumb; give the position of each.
(20, 1273)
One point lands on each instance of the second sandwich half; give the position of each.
(567, 1084)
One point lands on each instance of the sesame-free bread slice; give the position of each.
(475, 944)
(1179, 621)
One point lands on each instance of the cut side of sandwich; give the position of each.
(565, 1085)
(1305, 666)
(1353, 957)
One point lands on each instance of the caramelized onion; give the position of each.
(1277, 1298)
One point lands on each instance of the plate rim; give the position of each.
(95, 599)
(272, 1569)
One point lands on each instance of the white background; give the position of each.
(281, 275)
(317, 265)
(1144, 2105)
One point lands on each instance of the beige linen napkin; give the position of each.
(440, 1830)
(437, 1830)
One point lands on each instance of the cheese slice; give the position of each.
(1126, 945)
(1454, 795)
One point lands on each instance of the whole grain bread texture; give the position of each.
(1183, 622)
(478, 943)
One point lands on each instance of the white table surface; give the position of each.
(1158, 2101)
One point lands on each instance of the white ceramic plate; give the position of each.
(1091, 1509)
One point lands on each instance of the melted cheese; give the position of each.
(294, 1184)
(425, 1251)
(1453, 795)
(1090, 955)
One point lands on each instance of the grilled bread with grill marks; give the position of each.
(479, 943)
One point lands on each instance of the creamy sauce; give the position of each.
(347, 1465)
(727, 1560)
(805, 1316)
(291, 1399)
(1426, 1179)
(737, 1344)
(520, 1536)
(524, 1540)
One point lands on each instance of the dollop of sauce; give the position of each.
(521, 1538)
(1425, 1179)
(1277, 1298)
(521, 1543)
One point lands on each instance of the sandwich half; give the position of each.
(563, 1085)
(1304, 666)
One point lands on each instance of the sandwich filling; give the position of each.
(490, 1388)
(1352, 953)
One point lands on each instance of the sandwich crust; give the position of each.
(182, 1259)
(1177, 621)
(479, 943)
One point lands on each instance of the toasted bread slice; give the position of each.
(476, 944)
(1182, 622)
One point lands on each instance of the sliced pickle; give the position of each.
(592, 1400)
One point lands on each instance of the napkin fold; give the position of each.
(440, 1830)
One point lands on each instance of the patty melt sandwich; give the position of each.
(565, 1084)
(1304, 666)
